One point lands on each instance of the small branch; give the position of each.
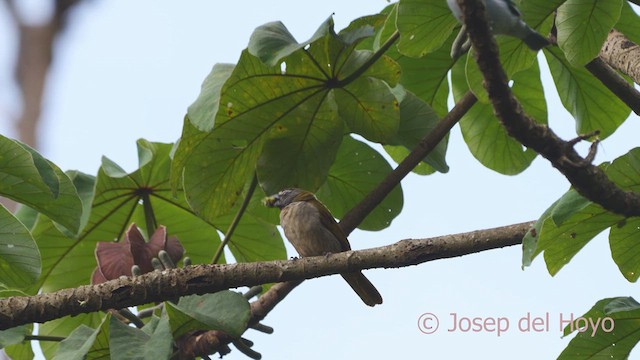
(589, 180)
(236, 220)
(201, 279)
(355, 216)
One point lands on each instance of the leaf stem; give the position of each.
(149, 216)
(376, 55)
(43, 338)
(236, 219)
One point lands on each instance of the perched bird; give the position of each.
(313, 231)
(505, 19)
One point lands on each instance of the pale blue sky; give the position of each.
(129, 69)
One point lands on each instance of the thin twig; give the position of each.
(236, 220)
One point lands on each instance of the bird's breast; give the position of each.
(304, 230)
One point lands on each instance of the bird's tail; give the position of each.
(535, 41)
(363, 287)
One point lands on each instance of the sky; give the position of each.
(126, 70)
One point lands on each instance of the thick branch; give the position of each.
(589, 180)
(622, 54)
(201, 279)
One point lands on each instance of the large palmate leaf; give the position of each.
(282, 113)
(143, 197)
(30, 179)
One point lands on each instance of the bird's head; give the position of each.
(286, 197)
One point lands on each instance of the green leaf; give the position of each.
(357, 170)
(369, 108)
(628, 23)
(203, 111)
(536, 12)
(417, 119)
(485, 136)
(624, 241)
(227, 311)
(614, 336)
(561, 243)
(515, 57)
(398, 153)
(424, 26)
(294, 156)
(623, 238)
(160, 344)
(127, 342)
(85, 342)
(28, 178)
(565, 228)
(14, 335)
(267, 107)
(254, 239)
(583, 26)
(592, 105)
(20, 263)
(68, 326)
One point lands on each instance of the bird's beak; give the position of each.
(272, 201)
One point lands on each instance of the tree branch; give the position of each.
(589, 180)
(615, 83)
(355, 216)
(622, 54)
(201, 279)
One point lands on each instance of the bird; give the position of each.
(313, 231)
(504, 18)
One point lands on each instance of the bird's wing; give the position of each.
(330, 223)
(512, 7)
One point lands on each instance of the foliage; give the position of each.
(312, 114)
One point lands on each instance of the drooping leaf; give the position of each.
(417, 119)
(583, 26)
(82, 340)
(615, 335)
(131, 343)
(13, 336)
(227, 311)
(203, 111)
(357, 170)
(572, 221)
(592, 105)
(485, 136)
(30, 179)
(20, 263)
